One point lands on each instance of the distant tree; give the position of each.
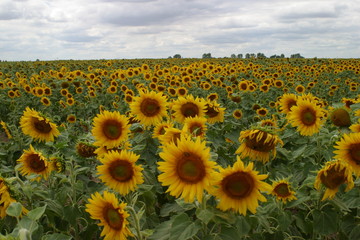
(247, 55)
(177, 56)
(206, 55)
(282, 55)
(252, 55)
(239, 55)
(296, 55)
(260, 55)
(233, 55)
(169, 57)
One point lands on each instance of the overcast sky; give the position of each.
(116, 29)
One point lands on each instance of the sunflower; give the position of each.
(6, 129)
(340, 117)
(186, 168)
(45, 101)
(262, 112)
(258, 144)
(307, 117)
(33, 162)
(300, 89)
(332, 175)
(214, 112)
(237, 114)
(111, 214)
(281, 189)
(101, 151)
(195, 126)
(40, 128)
(149, 107)
(171, 135)
(188, 107)
(110, 129)
(160, 129)
(238, 188)
(355, 128)
(71, 118)
(287, 101)
(348, 150)
(120, 172)
(85, 149)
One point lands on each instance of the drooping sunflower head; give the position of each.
(111, 214)
(188, 106)
(33, 162)
(258, 144)
(307, 117)
(186, 168)
(5, 131)
(149, 107)
(38, 127)
(85, 149)
(214, 112)
(287, 101)
(340, 117)
(171, 135)
(120, 172)
(101, 151)
(332, 175)
(281, 189)
(238, 188)
(110, 129)
(348, 150)
(160, 129)
(195, 126)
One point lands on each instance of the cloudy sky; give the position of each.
(116, 29)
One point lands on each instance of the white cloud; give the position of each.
(94, 29)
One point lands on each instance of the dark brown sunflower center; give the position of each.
(282, 190)
(308, 117)
(190, 168)
(189, 110)
(36, 163)
(113, 217)
(333, 178)
(149, 107)
(121, 170)
(238, 185)
(355, 153)
(211, 112)
(42, 125)
(341, 118)
(196, 129)
(290, 104)
(112, 129)
(260, 144)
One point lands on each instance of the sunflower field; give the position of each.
(158, 149)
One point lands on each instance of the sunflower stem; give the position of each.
(137, 223)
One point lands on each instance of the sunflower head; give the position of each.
(188, 106)
(332, 175)
(238, 188)
(186, 168)
(111, 214)
(110, 129)
(149, 107)
(281, 189)
(286, 102)
(340, 117)
(33, 162)
(37, 126)
(348, 150)
(85, 149)
(258, 143)
(119, 171)
(307, 117)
